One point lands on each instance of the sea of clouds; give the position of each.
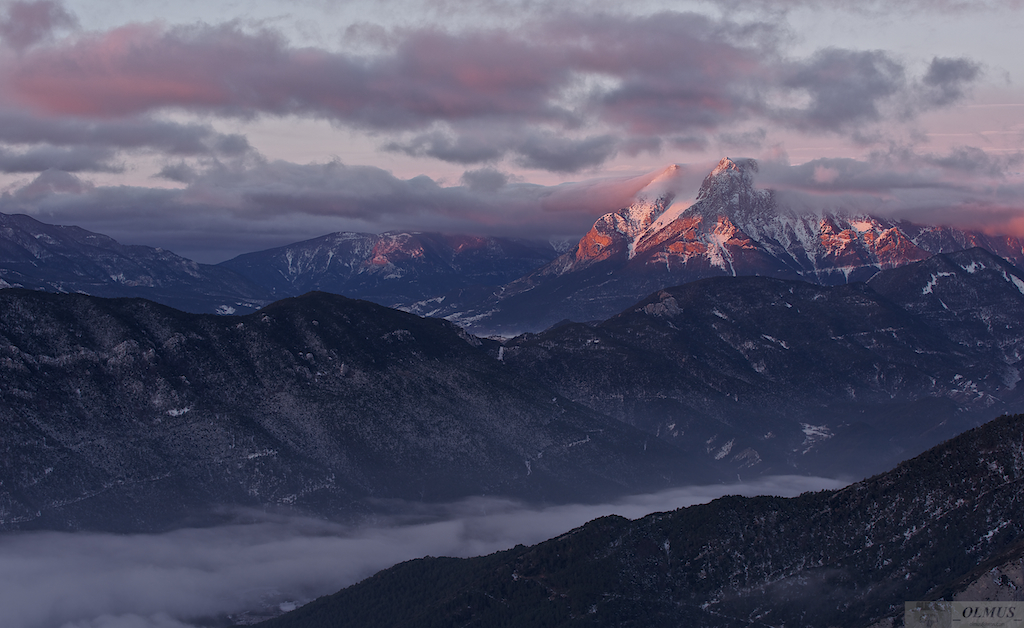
(175, 579)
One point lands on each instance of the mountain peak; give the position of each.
(737, 166)
(728, 178)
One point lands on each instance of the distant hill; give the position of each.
(931, 527)
(393, 269)
(54, 258)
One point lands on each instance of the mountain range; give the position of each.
(492, 285)
(719, 339)
(732, 228)
(54, 258)
(330, 406)
(777, 376)
(125, 415)
(394, 269)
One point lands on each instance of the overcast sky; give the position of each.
(214, 128)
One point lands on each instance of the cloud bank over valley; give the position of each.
(173, 580)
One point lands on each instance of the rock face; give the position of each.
(731, 229)
(391, 269)
(775, 376)
(126, 415)
(847, 558)
(39, 256)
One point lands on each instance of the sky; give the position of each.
(217, 128)
(175, 579)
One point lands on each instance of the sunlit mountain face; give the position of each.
(731, 227)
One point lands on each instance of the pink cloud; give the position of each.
(28, 23)
(479, 95)
(140, 68)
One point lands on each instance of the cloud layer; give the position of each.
(563, 93)
(54, 580)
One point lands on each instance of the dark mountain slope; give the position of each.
(54, 258)
(127, 415)
(771, 376)
(843, 558)
(974, 297)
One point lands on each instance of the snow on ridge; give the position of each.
(724, 451)
(662, 185)
(1017, 283)
(974, 267)
(862, 225)
(934, 280)
(671, 213)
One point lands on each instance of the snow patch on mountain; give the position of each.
(974, 267)
(1016, 282)
(934, 280)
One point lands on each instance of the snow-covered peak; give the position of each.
(728, 178)
(616, 233)
(665, 184)
(731, 167)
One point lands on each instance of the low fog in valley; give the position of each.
(173, 580)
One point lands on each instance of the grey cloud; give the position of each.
(227, 210)
(85, 580)
(947, 80)
(969, 159)
(563, 93)
(50, 183)
(31, 143)
(877, 7)
(963, 188)
(230, 208)
(689, 142)
(75, 159)
(21, 127)
(559, 154)
(743, 139)
(846, 87)
(484, 179)
(28, 23)
(461, 148)
(529, 147)
(179, 172)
